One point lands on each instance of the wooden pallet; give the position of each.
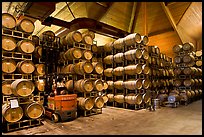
(21, 100)
(91, 112)
(135, 106)
(12, 76)
(16, 55)
(14, 33)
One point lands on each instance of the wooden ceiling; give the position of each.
(166, 24)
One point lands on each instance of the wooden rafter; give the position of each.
(145, 18)
(132, 16)
(135, 16)
(160, 32)
(184, 13)
(170, 18)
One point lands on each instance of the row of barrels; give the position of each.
(24, 25)
(187, 58)
(86, 85)
(188, 71)
(128, 55)
(32, 110)
(159, 62)
(187, 82)
(133, 99)
(25, 67)
(23, 46)
(162, 72)
(76, 53)
(92, 102)
(83, 67)
(186, 47)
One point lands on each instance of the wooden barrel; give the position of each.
(108, 59)
(177, 71)
(118, 71)
(94, 48)
(200, 82)
(196, 93)
(188, 82)
(185, 95)
(118, 44)
(151, 49)
(153, 61)
(157, 50)
(39, 69)
(162, 98)
(199, 73)
(26, 46)
(8, 43)
(98, 85)
(73, 53)
(145, 40)
(105, 85)
(40, 84)
(22, 87)
(133, 99)
(177, 59)
(177, 48)
(192, 93)
(98, 102)
(38, 52)
(8, 65)
(131, 39)
(69, 85)
(145, 69)
(73, 37)
(200, 91)
(188, 46)
(189, 70)
(26, 25)
(177, 83)
(133, 54)
(146, 83)
(6, 88)
(12, 114)
(108, 47)
(47, 36)
(85, 103)
(110, 97)
(26, 67)
(84, 85)
(199, 63)
(35, 39)
(146, 97)
(8, 21)
(108, 72)
(119, 98)
(119, 84)
(34, 110)
(110, 84)
(198, 53)
(68, 69)
(133, 84)
(133, 69)
(84, 67)
(87, 39)
(87, 54)
(98, 67)
(91, 33)
(196, 82)
(118, 58)
(105, 98)
(188, 58)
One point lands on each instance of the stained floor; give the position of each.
(183, 120)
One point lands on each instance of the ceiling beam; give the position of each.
(132, 16)
(144, 7)
(160, 32)
(135, 16)
(169, 3)
(170, 18)
(184, 13)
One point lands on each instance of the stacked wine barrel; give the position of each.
(126, 71)
(86, 80)
(17, 69)
(188, 79)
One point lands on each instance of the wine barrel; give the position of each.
(118, 58)
(177, 59)
(200, 82)
(163, 98)
(192, 93)
(151, 49)
(98, 102)
(105, 85)
(8, 43)
(34, 110)
(196, 82)
(108, 72)
(133, 99)
(8, 65)
(84, 67)
(133, 54)
(198, 53)
(146, 83)
(118, 71)
(69, 69)
(22, 87)
(189, 70)
(108, 47)
(26, 67)
(199, 63)
(145, 55)
(188, 82)
(196, 93)
(69, 85)
(177, 71)
(131, 39)
(153, 61)
(98, 85)
(26, 46)
(146, 97)
(73, 37)
(133, 84)
(188, 58)
(6, 88)
(110, 97)
(87, 39)
(110, 84)
(26, 25)
(105, 98)
(35, 39)
(40, 84)
(185, 95)
(177, 48)
(145, 40)
(73, 53)
(133, 69)
(38, 52)
(11, 114)
(145, 69)
(188, 46)
(84, 85)
(94, 48)
(119, 84)
(157, 50)
(8, 21)
(91, 33)
(85, 103)
(40, 69)
(119, 98)
(108, 59)
(98, 67)
(87, 54)
(47, 36)
(118, 44)
(177, 83)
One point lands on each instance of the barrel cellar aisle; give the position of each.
(101, 68)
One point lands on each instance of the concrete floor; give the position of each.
(184, 120)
